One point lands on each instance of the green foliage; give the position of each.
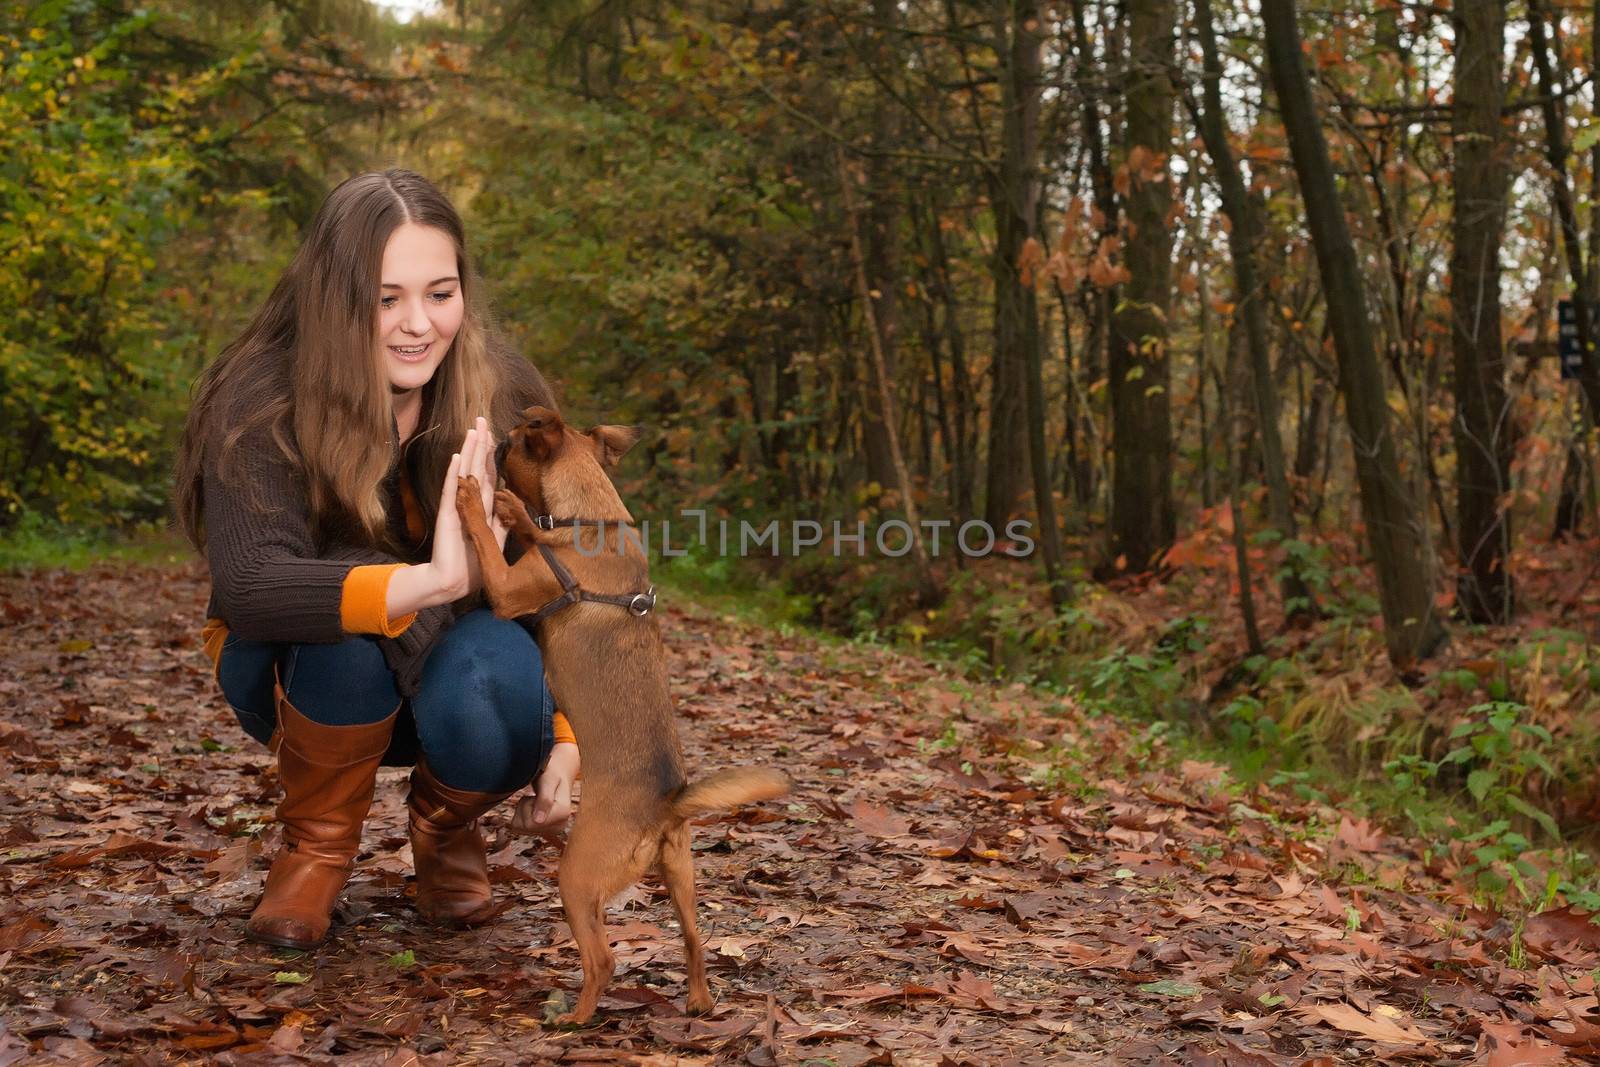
(615, 275)
(1252, 733)
(1309, 561)
(97, 159)
(148, 157)
(1142, 684)
(1494, 755)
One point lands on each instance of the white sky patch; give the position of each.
(406, 10)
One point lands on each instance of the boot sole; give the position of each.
(480, 916)
(281, 942)
(460, 922)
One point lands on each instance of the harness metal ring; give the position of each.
(649, 599)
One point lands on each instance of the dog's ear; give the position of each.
(539, 417)
(614, 442)
(542, 432)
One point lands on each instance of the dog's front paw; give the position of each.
(509, 508)
(469, 497)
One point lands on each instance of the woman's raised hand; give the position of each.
(484, 470)
(477, 463)
(455, 561)
(453, 571)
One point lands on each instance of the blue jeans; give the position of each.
(482, 716)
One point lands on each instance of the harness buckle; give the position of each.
(545, 522)
(649, 599)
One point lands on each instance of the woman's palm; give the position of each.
(454, 559)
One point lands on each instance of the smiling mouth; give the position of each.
(410, 351)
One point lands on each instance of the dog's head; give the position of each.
(561, 471)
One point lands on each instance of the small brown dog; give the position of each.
(607, 670)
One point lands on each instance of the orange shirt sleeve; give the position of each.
(563, 730)
(212, 637)
(364, 601)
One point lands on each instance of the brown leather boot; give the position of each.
(328, 774)
(452, 870)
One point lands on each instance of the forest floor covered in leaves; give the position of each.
(940, 889)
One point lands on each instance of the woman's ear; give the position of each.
(614, 442)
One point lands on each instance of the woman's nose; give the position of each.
(417, 321)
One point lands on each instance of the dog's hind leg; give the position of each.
(587, 865)
(585, 910)
(677, 871)
(598, 861)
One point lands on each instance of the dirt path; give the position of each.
(926, 898)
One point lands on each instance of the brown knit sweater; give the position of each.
(271, 581)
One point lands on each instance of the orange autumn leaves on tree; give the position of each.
(1142, 165)
(1065, 266)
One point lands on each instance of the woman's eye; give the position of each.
(438, 298)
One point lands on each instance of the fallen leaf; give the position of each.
(876, 821)
(1394, 1031)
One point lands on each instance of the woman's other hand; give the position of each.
(546, 811)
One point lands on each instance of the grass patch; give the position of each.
(39, 542)
(719, 584)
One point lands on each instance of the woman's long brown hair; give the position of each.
(306, 369)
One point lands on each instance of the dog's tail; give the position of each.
(729, 788)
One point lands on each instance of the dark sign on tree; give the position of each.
(1569, 347)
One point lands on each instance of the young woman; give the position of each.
(346, 624)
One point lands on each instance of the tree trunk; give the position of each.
(1569, 508)
(963, 399)
(1574, 486)
(882, 262)
(1097, 302)
(1231, 427)
(928, 590)
(1412, 628)
(1016, 224)
(951, 403)
(1250, 307)
(1483, 435)
(1143, 521)
(1016, 316)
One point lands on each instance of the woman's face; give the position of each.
(419, 307)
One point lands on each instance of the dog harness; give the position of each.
(571, 592)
